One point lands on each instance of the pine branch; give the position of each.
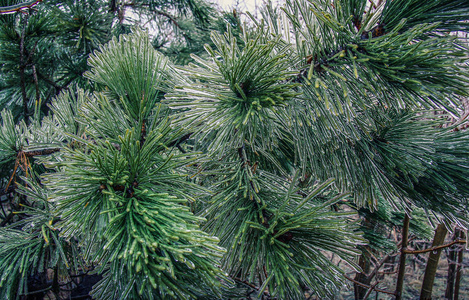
(143, 133)
(36, 83)
(40, 152)
(320, 64)
(113, 6)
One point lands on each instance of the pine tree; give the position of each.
(236, 175)
(45, 48)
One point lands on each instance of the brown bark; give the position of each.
(41, 152)
(435, 247)
(432, 263)
(401, 272)
(457, 283)
(360, 291)
(452, 256)
(36, 84)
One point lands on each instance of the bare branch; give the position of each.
(369, 287)
(434, 248)
(378, 266)
(371, 290)
(10, 9)
(159, 12)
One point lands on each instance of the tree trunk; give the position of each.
(401, 272)
(459, 267)
(432, 263)
(452, 257)
(362, 277)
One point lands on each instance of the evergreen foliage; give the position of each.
(306, 134)
(45, 50)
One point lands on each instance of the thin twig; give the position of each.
(37, 292)
(370, 290)
(250, 285)
(433, 248)
(378, 266)
(369, 287)
(159, 12)
(36, 84)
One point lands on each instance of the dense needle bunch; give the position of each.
(113, 186)
(246, 87)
